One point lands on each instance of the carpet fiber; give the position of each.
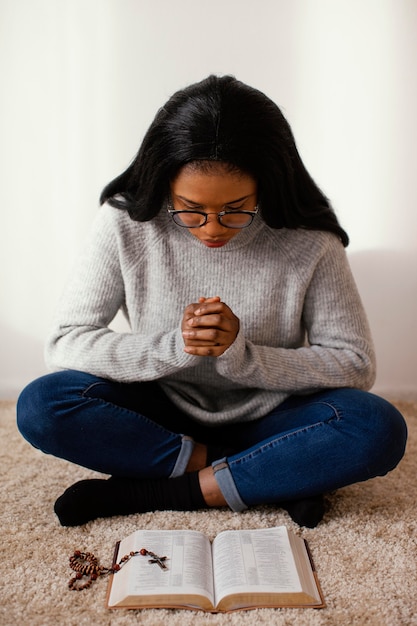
(365, 550)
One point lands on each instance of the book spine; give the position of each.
(310, 556)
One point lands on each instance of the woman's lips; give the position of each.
(214, 244)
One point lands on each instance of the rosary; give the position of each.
(86, 564)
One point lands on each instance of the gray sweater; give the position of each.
(302, 324)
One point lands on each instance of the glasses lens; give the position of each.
(195, 219)
(189, 219)
(236, 220)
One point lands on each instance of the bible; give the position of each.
(240, 569)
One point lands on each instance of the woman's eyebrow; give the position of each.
(229, 202)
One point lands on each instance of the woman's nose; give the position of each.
(212, 226)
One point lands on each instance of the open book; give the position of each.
(241, 569)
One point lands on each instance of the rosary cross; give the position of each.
(159, 560)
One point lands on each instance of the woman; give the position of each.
(244, 378)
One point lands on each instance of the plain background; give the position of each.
(81, 81)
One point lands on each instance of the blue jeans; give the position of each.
(308, 445)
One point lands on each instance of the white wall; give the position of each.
(82, 80)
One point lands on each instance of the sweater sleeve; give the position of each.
(81, 338)
(338, 351)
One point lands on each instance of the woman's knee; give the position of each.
(375, 431)
(385, 429)
(38, 403)
(393, 435)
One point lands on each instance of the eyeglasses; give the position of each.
(197, 219)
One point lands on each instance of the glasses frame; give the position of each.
(173, 212)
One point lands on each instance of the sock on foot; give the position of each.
(88, 499)
(306, 511)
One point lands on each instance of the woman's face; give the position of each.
(213, 190)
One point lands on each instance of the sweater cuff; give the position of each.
(231, 360)
(184, 359)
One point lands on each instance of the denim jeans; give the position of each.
(308, 445)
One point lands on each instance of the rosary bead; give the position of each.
(86, 564)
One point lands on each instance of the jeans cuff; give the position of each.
(187, 447)
(224, 479)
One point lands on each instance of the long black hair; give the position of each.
(223, 120)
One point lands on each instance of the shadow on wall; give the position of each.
(21, 361)
(387, 281)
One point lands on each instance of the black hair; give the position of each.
(223, 120)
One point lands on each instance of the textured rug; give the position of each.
(365, 550)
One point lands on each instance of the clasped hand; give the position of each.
(209, 327)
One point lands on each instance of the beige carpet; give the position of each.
(365, 550)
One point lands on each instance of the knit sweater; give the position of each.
(302, 324)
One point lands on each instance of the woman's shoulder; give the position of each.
(301, 240)
(110, 216)
(117, 223)
(303, 250)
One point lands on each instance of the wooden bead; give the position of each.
(86, 564)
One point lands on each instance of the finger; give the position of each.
(196, 343)
(212, 306)
(212, 299)
(207, 321)
(210, 335)
(205, 351)
(189, 311)
(215, 322)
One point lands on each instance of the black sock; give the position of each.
(89, 499)
(306, 511)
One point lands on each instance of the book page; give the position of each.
(252, 561)
(189, 566)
